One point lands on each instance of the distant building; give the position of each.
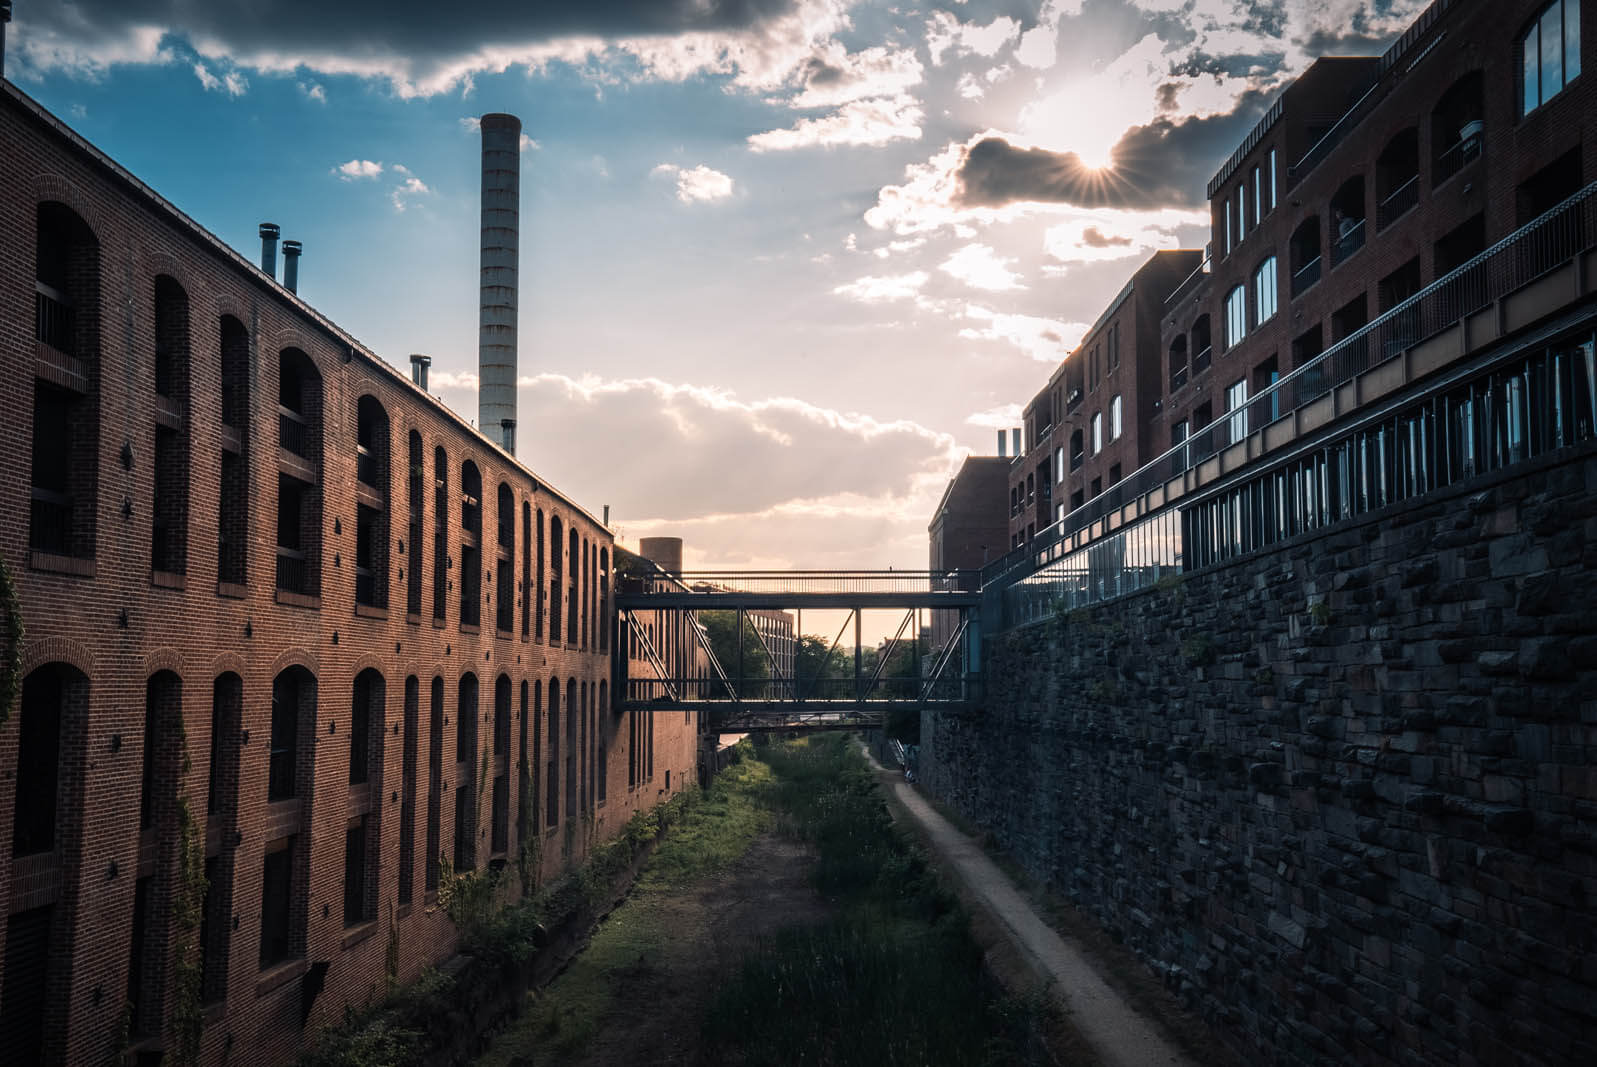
(968, 529)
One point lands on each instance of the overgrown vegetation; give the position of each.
(894, 978)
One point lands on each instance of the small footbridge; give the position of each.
(738, 646)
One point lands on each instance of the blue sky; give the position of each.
(784, 262)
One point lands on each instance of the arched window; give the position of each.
(1347, 219)
(1457, 127)
(232, 524)
(602, 721)
(1077, 449)
(227, 721)
(499, 839)
(441, 511)
(290, 777)
(1265, 294)
(556, 552)
(170, 462)
(1201, 344)
(299, 490)
(538, 594)
(526, 570)
(1303, 254)
(1236, 316)
(505, 564)
(371, 503)
(363, 827)
(435, 783)
(552, 773)
(573, 593)
(605, 614)
(466, 774)
(1178, 362)
(573, 713)
(410, 743)
(65, 453)
(417, 499)
(470, 578)
(1397, 177)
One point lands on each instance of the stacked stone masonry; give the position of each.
(1341, 796)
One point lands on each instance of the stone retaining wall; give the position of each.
(1342, 795)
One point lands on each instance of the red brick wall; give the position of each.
(114, 621)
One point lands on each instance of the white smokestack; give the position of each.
(501, 252)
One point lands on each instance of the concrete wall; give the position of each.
(1343, 795)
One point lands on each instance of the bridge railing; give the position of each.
(806, 582)
(1533, 250)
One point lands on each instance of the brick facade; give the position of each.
(220, 509)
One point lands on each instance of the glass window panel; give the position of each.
(1552, 52)
(1571, 40)
(1529, 50)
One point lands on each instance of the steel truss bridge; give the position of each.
(839, 690)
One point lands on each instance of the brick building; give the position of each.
(280, 603)
(967, 529)
(1368, 216)
(1090, 425)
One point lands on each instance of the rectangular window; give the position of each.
(1236, 401)
(277, 885)
(1258, 194)
(1059, 463)
(284, 745)
(355, 871)
(1264, 290)
(1270, 187)
(1242, 203)
(1550, 53)
(1097, 432)
(1114, 419)
(1228, 225)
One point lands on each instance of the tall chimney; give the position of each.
(1014, 440)
(269, 232)
(501, 253)
(1000, 444)
(291, 250)
(418, 369)
(5, 17)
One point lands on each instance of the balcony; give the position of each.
(1400, 202)
(1459, 155)
(293, 571)
(1178, 378)
(293, 432)
(50, 522)
(1200, 362)
(365, 466)
(1305, 276)
(53, 318)
(1350, 241)
(1076, 460)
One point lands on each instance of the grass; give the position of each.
(895, 978)
(711, 832)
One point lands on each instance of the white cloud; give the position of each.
(528, 144)
(945, 33)
(314, 92)
(1094, 236)
(1044, 340)
(471, 123)
(698, 184)
(407, 191)
(970, 87)
(979, 267)
(209, 81)
(862, 122)
(1001, 417)
(883, 289)
(80, 47)
(235, 83)
(357, 169)
(834, 76)
(232, 83)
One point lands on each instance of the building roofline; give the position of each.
(233, 258)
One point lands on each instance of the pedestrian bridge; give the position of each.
(763, 675)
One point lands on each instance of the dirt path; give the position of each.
(1116, 1031)
(681, 943)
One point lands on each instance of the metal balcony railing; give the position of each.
(1305, 276)
(366, 466)
(52, 322)
(1200, 362)
(293, 432)
(1350, 241)
(50, 522)
(1458, 156)
(1398, 203)
(293, 571)
(1534, 249)
(1178, 377)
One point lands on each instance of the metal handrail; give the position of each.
(1438, 305)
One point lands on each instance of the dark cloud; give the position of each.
(1093, 237)
(380, 28)
(1162, 164)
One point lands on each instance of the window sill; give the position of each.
(470, 628)
(298, 600)
(412, 618)
(354, 935)
(368, 611)
(279, 975)
(168, 580)
(505, 635)
(49, 561)
(232, 591)
(58, 368)
(438, 624)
